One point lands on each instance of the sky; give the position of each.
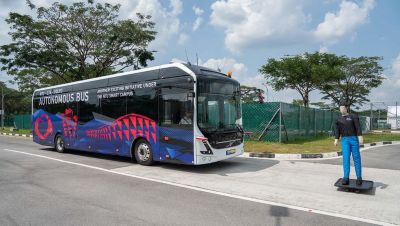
(241, 35)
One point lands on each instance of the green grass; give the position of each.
(318, 145)
(19, 131)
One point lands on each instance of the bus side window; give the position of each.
(87, 108)
(113, 107)
(143, 102)
(176, 109)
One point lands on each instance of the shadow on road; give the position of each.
(93, 155)
(223, 168)
(278, 213)
(379, 185)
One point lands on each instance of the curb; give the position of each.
(383, 131)
(16, 135)
(312, 155)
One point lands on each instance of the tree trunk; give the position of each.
(306, 100)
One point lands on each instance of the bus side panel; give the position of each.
(45, 127)
(176, 145)
(116, 137)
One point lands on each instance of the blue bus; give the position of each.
(178, 113)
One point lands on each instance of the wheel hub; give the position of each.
(143, 152)
(60, 143)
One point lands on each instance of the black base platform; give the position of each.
(366, 185)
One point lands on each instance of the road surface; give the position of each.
(41, 187)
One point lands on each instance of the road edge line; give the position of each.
(261, 201)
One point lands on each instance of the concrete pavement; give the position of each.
(72, 190)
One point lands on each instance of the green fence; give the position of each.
(279, 122)
(9, 121)
(23, 121)
(18, 121)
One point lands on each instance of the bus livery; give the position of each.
(176, 113)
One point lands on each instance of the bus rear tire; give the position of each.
(143, 153)
(59, 144)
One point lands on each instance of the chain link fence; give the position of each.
(382, 115)
(280, 122)
(18, 121)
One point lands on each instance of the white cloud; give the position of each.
(259, 22)
(239, 70)
(199, 19)
(183, 38)
(388, 92)
(396, 70)
(166, 19)
(197, 23)
(197, 11)
(323, 49)
(343, 23)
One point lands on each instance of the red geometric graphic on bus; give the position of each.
(43, 118)
(69, 122)
(128, 126)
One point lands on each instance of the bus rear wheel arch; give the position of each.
(142, 152)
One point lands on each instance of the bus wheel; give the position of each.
(59, 144)
(143, 153)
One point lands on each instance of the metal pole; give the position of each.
(379, 116)
(397, 123)
(370, 120)
(2, 108)
(280, 122)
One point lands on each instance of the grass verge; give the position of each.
(19, 131)
(318, 145)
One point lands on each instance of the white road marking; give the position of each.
(309, 210)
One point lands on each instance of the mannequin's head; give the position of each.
(343, 107)
(343, 110)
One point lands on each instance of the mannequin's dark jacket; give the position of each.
(348, 125)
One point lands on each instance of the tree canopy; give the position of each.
(65, 43)
(251, 94)
(336, 77)
(15, 102)
(353, 80)
(300, 72)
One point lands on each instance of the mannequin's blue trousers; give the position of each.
(350, 146)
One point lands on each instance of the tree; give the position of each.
(299, 72)
(322, 105)
(65, 43)
(251, 94)
(298, 102)
(15, 102)
(353, 81)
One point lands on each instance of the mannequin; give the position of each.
(349, 130)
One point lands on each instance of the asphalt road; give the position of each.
(384, 157)
(40, 191)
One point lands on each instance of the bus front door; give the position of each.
(176, 127)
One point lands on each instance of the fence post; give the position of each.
(315, 122)
(371, 119)
(280, 122)
(397, 122)
(299, 107)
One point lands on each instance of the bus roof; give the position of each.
(190, 69)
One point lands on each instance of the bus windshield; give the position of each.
(218, 105)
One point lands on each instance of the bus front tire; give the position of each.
(59, 144)
(143, 152)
